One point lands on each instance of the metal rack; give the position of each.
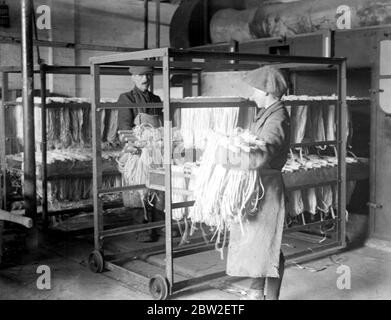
(43, 70)
(165, 61)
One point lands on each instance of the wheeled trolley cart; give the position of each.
(167, 61)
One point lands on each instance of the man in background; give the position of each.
(127, 119)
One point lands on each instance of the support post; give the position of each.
(45, 216)
(1, 239)
(167, 168)
(146, 15)
(206, 21)
(97, 155)
(30, 192)
(157, 23)
(3, 141)
(342, 140)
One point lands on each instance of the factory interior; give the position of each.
(102, 211)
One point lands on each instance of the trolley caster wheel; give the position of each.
(96, 261)
(159, 287)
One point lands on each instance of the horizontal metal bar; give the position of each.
(205, 104)
(68, 45)
(54, 176)
(252, 57)
(85, 208)
(184, 204)
(143, 54)
(82, 70)
(120, 189)
(314, 144)
(85, 70)
(51, 105)
(226, 45)
(197, 280)
(130, 229)
(197, 249)
(309, 225)
(184, 250)
(189, 65)
(126, 273)
(313, 253)
(303, 66)
(114, 105)
(314, 102)
(178, 104)
(312, 185)
(144, 253)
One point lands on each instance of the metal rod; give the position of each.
(374, 146)
(167, 165)
(3, 141)
(205, 21)
(1, 239)
(309, 225)
(251, 57)
(130, 229)
(85, 208)
(45, 216)
(137, 55)
(342, 137)
(146, 14)
(69, 45)
(97, 156)
(30, 192)
(145, 253)
(189, 65)
(120, 189)
(185, 204)
(313, 144)
(126, 274)
(192, 54)
(198, 248)
(157, 23)
(309, 254)
(182, 104)
(114, 105)
(115, 71)
(327, 182)
(198, 280)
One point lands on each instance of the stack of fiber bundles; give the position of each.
(69, 134)
(68, 123)
(69, 173)
(313, 119)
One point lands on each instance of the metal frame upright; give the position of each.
(164, 60)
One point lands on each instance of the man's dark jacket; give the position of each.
(127, 116)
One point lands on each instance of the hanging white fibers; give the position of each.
(221, 194)
(196, 124)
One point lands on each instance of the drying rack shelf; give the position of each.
(296, 180)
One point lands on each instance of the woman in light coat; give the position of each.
(256, 253)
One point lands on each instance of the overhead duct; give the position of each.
(190, 23)
(306, 16)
